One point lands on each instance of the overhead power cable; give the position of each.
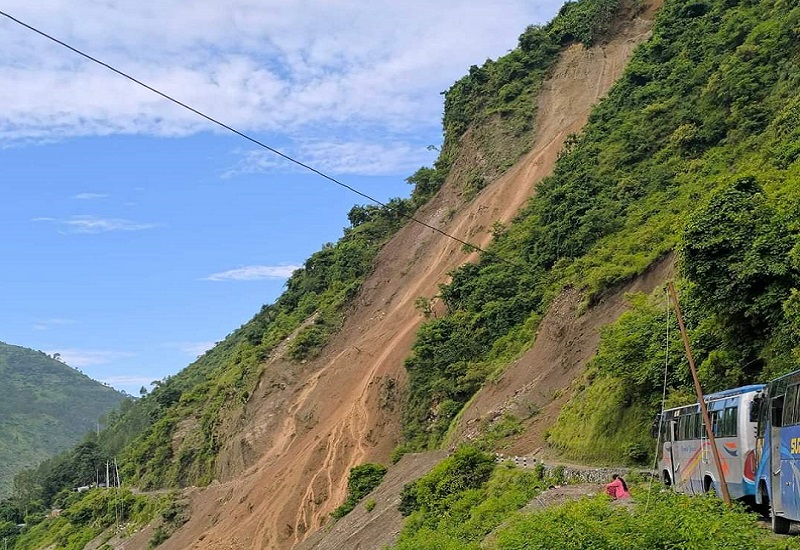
(250, 138)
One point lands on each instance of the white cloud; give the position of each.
(94, 224)
(79, 358)
(365, 158)
(193, 349)
(127, 380)
(267, 65)
(90, 196)
(46, 324)
(254, 272)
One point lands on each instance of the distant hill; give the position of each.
(45, 407)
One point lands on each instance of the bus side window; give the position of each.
(724, 421)
(788, 407)
(777, 411)
(795, 413)
(732, 414)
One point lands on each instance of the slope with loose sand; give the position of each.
(285, 468)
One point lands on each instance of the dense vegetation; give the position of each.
(738, 255)
(739, 242)
(461, 500)
(662, 520)
(45, 407)
(468, 503)
(85, 516)
(695, 146)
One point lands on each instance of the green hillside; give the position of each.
(696, 151)
(702, 126)
(45, 408)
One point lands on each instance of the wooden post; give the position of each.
(706, 419)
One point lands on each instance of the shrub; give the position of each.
(399, 452)
(462, 517)
(363, 479)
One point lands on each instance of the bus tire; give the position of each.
(666, 479)
(780, 525)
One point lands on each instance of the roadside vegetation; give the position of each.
(468, 502)
(664, 520)
(84, 516)
(462, 500)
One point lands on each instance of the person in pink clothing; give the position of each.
(617, 488)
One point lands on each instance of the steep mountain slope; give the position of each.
(535, 387)
(307, 424)
(45, 407)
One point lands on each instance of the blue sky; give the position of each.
(135, 235)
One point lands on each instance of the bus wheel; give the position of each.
(780, 525)
(666, 479)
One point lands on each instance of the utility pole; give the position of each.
(107, 466)
(703, 409)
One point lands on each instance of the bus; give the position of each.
(685, 459)
(778, 451)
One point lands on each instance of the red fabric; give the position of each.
(616, 490)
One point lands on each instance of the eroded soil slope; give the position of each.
(379, 527)
(285, 465)
(536, 386)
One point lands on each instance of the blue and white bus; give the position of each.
(778, 451)
(686, 461)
